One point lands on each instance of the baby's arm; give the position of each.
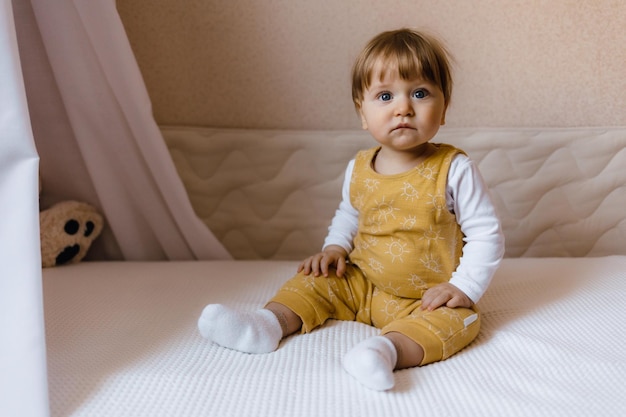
(341, 232)
(469, 199)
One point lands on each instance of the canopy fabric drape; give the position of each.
(96, 136)
(23, 382)
(74, 109)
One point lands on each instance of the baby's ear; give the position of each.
(363, 121)
(443, 116)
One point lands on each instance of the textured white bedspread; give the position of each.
(122, 341)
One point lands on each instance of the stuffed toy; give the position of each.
(67, 230)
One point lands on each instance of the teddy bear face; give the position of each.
(72, 227)
(67, 230)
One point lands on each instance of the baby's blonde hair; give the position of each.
(408, 52)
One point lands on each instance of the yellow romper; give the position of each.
(407, 242)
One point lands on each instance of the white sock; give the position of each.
(246, 331)
(372, 362)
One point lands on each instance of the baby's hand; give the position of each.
(319, 263)
(445, 294)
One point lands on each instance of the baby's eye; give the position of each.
(421, 93)
(384, 96)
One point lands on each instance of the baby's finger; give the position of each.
(459, 301)
(315, 265)
(305, 266)
(341, 267)
(426, 300)
(433, 300)
(324, 265)
(325, 261)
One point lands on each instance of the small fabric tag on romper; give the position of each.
(470, 319)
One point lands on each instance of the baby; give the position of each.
(415, 240)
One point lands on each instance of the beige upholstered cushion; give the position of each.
(271, 194)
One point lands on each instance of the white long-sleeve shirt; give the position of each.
(468, 198)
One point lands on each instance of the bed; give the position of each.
(122, 337)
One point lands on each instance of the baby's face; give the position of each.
(402, 114)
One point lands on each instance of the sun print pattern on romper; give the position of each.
(407, 241)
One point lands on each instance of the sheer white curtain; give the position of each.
(96, 136)
(23, 384)
(72, 94)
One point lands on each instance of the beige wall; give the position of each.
(286, 63)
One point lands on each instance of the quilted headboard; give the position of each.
(270, 194)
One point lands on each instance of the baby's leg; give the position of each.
(373, 361)
(410, 353)
(303, 302)
(251, 332)
(289, 321)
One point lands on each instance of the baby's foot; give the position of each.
(251, 332)
(372, 362)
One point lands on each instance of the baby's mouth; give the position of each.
(403, 126)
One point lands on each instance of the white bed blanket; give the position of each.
(122, 341)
